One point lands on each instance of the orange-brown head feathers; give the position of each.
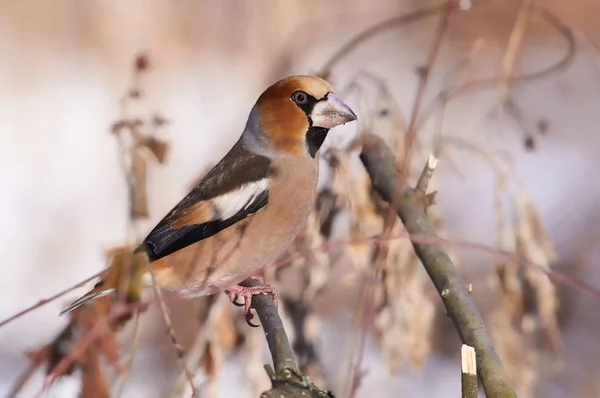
(295, 114)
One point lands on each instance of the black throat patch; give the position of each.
(314, 139)
(315, 135)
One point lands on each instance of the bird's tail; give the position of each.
(124, 278)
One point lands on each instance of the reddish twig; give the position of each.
(447, 95)
(178, 348)
(374, 31)
(48, 300)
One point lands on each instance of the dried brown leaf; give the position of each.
(94, 383)
(226, 335)
(139, 186)
(528, 302)
(157, 147)
(142, 62)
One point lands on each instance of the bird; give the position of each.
(244, 213)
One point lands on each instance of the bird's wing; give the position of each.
(237, 187)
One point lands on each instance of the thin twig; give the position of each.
(126, 370)
(23, 379)
(425, 72)
(411, 130)
(426, 175)
(178, 348)
(367, 310)
(196, 352)
(79, 348)
(594, 47)
(380, 163)
(454, 92)
(515, 42)
(48, 300)
(353, 375)
(374, 31)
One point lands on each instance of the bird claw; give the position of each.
(233, 297)
(249, 316)
(246, 293)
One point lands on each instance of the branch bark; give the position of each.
(286, 379)
(382, 167)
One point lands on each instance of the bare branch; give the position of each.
(426, 175)
(287, 380)
(381, 165)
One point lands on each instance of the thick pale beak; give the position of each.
(331, 112)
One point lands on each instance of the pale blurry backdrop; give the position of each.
(64, 66)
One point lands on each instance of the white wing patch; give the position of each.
(231, 203)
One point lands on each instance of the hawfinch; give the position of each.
(245, 212)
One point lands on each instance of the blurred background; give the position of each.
(517, 173)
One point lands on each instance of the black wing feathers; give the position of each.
(237, 168)
(166, 240)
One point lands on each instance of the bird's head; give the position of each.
(294, 115)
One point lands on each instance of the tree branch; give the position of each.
(287, 380)
(382, 167)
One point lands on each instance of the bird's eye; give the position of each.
(300, 97)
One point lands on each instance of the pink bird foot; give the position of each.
(246, 293)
